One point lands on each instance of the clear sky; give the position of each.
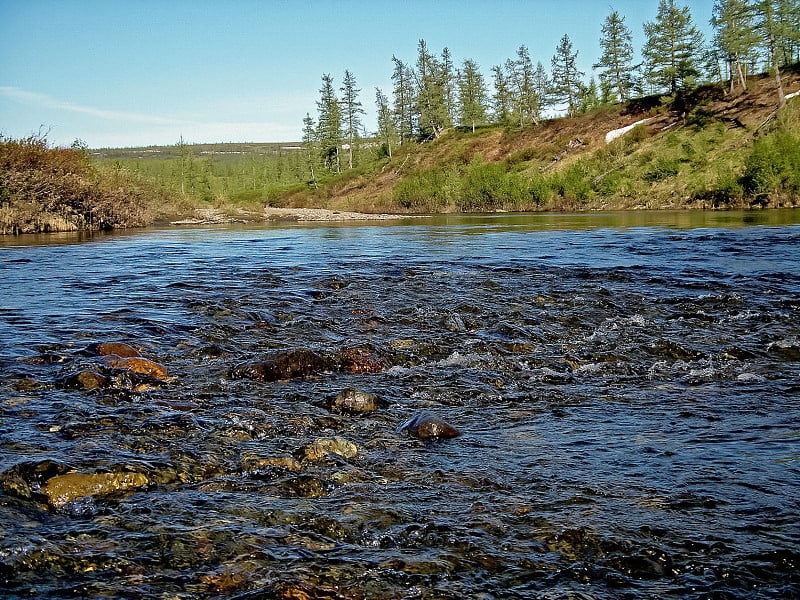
(139, 72)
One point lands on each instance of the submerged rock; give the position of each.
(25, 479)
(63, 489)
(353, 401)
(306, 486)
(427, 427)
(117, 348)
(294, 364)
(363, 359)
(85, 380)
(325, 446)
(136, 364)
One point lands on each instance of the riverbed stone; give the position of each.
(25, 479)
(353, 401)
(363, 359)
(428, 427)
(136, 364)
(118, 348)
(323, 447)
(293, 364)
(85, 380)
(63, 489)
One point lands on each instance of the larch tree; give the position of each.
(501, 99)
(567, 85)
(615, 62)
(673, 48)
(329, 126)
(310, 150)
(735, 37)
(404, 100)
(351, 113)
(449, 79)
(433, 117)
(471, 95)
(387, 132)
(542, 87)
(771, 32)
(522, 74)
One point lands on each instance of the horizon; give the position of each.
(247, 71)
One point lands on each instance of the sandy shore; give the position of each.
(213, 216)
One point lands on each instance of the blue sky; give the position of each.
(137, 72)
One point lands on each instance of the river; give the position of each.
(626, 387)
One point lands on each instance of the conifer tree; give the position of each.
(329, 125)
(772, 32)
(387, 132)
(521, 74)
(404, 100)
(309, 144)
(449, 79)
(736, 36)
(566, 79)
(471, 95)
(433, 117)
(501, 99)
(351, 113)
(615, 63)
(673, 48)
(541, 86)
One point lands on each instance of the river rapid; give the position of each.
(626, 388)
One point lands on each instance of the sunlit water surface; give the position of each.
(627, 388)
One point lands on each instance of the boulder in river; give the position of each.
(118, 348)
(353, 401)
(136, 364)
(427, 427)
(324, 446)
(294, 364)
(63, 489)
(363, 359)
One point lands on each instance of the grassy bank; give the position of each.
(704, 150)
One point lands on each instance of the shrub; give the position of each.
(773, 165)
(664, 168)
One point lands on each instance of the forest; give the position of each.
(450, 136)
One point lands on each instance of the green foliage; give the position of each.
(662, 168)
(774, 165)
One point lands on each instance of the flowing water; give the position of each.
(627, 388)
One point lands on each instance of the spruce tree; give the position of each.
(521, 73)
(673, 48)
(566, 79)
(351, 113)
(471, 95)
(433, 117)
(615, 63)
(329, 125)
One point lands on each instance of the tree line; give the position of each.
(433, 93)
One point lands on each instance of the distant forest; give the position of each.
(434, 94)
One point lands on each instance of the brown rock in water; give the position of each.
(427, 427)
(26, 478)
(325, 446)
(62, 489)
(353, 401)
(363, 359)
(118, 348)
(136, 364)
(294, 364)
(85, 380)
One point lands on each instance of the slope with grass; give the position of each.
(705, 150)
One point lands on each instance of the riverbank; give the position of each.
(219, 216)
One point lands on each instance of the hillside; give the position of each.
(710, 150)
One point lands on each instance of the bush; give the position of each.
(773, 165)
(55, 189)
(423, 192)
(664, 168)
